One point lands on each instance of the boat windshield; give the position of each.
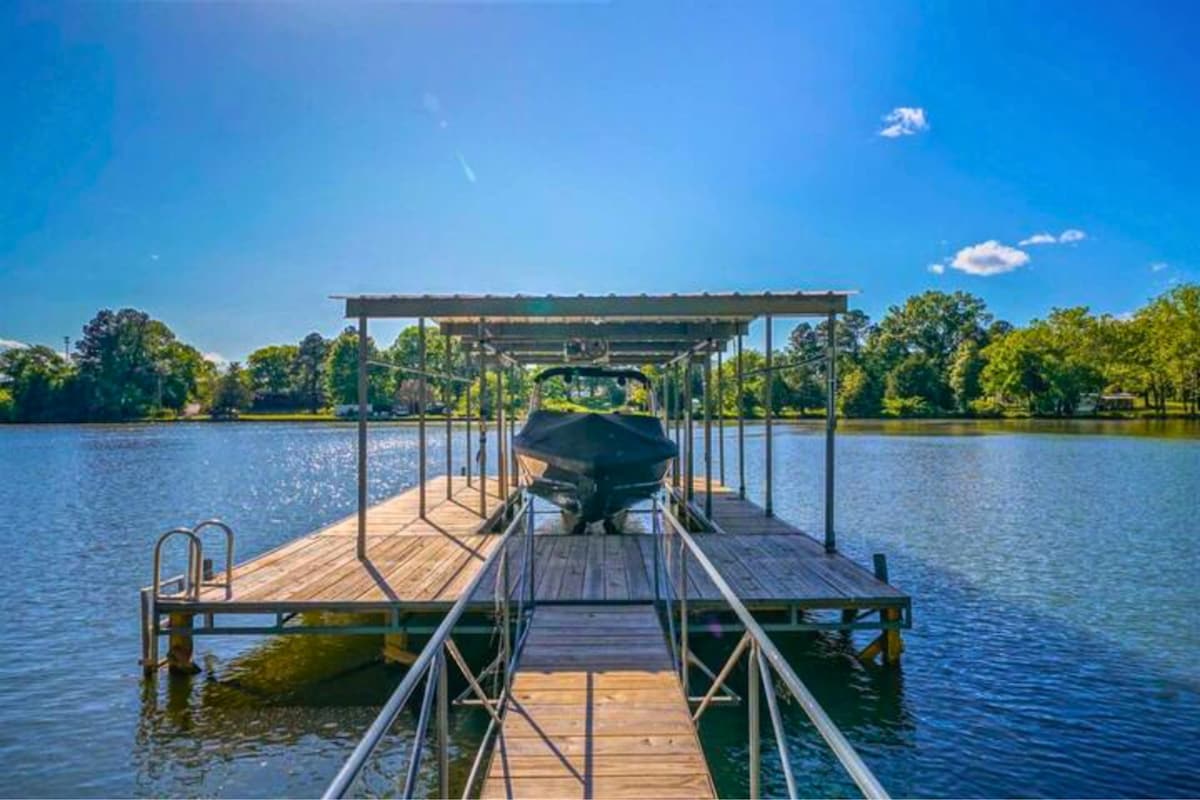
(600, 390)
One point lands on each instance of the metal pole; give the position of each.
(467, 361)
(741, 425)
(362, 437)
(720, 419)
(446, 398)
(830, 426)
(767, 414)
(776, 722)
(688, 433)
(501, 444)
(482, 430)
(674, 413)
(683, 621)
(443, 725)
(752, 706)
(708, 461)
(421, 388)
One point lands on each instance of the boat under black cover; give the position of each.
(593, 465)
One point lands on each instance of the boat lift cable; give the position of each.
(786, 366)
(440, 376)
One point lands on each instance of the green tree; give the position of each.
(859, 393)
(916, 377)
(272, 369)
(309, 370)
(129, 364)
(341, 372)
(233, 391)
(38, 384)
(965, 372)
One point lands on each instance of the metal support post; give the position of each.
(361, 549)
(470, 416)
(720, 420)
(447, 396)
(830, 426)
(482, 427)
(752, 708)
(689, 437)
(443, 726)
(708, 459)
(676, 479)
(767, 412)
(683, 620)
(501, 444)
(421, 388)
(741, 425)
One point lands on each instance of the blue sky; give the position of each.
(227, 167)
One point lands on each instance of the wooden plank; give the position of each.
(596, 709)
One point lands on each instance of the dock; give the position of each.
(422, 566)
(592, 687)
(596, 710)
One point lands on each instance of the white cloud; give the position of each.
(1158, 266)
(1039, 238)
(904, 121)
(936, 269)
(154, 256)
(216, 358)
(11, 344)
(1071, 235)
(989, 258)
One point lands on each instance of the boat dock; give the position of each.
(594, 689)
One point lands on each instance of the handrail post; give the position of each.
(683, 621)
(776, 722)
(505, 639)
(654, 529)
(443, 726)
(752, 707)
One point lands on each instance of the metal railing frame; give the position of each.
(764, 657)
(431, 665)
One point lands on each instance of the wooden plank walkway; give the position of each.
(409, 560)
(597, 711)
(419, 564)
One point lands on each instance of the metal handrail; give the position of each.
(432, 653)
(192, 575)
(764, 651)
(216, 523)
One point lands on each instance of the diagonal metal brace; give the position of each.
(742, 644)
(452, 649)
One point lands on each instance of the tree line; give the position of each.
(937, 354)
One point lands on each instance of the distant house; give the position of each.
(1117, 401)
(349, 410)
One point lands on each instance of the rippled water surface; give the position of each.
(1053, 569)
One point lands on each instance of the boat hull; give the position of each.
(593, 466)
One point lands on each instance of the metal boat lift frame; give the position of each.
(665, 330)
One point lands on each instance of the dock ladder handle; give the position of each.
(192, 576)
(228, 582)
(763, 656)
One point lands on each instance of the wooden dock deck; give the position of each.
(423, 565)
(597, 711)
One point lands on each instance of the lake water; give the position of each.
(1053, 569)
